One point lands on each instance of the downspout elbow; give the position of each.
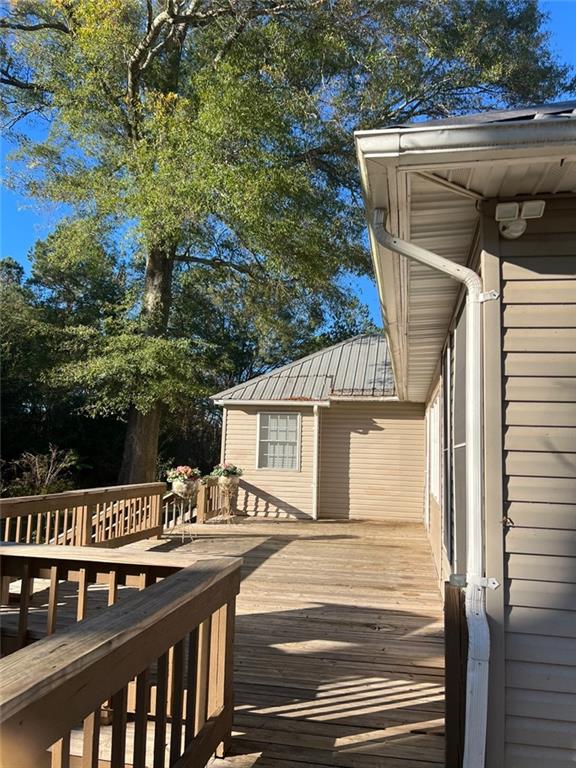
(459, 272)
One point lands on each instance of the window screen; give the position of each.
(278, 441)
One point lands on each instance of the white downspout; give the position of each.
(478, 632)
(223, 439)
(315, 462)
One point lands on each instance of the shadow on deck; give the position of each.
(339, 646)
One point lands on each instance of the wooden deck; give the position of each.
(339, 652)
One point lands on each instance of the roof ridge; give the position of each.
(277, 371)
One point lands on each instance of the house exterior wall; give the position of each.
(531, 501)
(269, 492)
(372, 461)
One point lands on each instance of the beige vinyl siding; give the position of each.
(539, 363)
(269, 492)
(372, 461)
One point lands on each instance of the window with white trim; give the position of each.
(278, 440)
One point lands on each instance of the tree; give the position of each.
(78, 302)
(219, 133)
(38, 319)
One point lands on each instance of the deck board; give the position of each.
(339, 643)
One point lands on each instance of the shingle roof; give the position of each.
(535, 112)
(357, 367)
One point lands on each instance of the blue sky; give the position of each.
(22, 221)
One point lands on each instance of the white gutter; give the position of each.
(478, 632)
(315, 456)
(364, 399)
(420, 146)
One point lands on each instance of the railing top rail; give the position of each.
(17, 504)
(48, 554)
(95, 658)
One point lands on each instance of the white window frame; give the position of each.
(298, 415)
(436, 449)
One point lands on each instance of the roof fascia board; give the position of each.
(292, 403)
(385, 268)
(504, 141)
(386, 264)
(363, 399)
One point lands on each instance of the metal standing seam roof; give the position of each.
(357, 367)
(534, 112)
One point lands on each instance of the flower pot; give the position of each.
(228, 487)
(231, 482)
(185, 488)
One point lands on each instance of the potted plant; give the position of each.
(228, 480)
(228, 474)
(184, 480)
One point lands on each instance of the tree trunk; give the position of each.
(141, 446)
(143, 431)
(141, 441)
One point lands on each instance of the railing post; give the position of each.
(228, 681)
(156, 501)
(86, 537)
(78, 525)
(201, 503)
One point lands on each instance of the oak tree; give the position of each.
(217, 134)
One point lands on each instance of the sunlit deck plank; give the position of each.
(339, 650)
(339, 641)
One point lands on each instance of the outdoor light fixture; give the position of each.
(511, 217)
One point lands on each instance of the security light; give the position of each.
(533, 209)
(512, 230)
(511, 217)
(507, 211)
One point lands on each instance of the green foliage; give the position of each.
(235, 124)
(25, 339)
(76, 273)
(33, 412)
(254, 325)
(204, 153)
(126, 369)
(34, 474)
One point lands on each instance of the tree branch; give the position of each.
(241, 25)
(56, 25)
(215, 263)
(21, 116)
(192, 15)
(150, 14)
(7, 79)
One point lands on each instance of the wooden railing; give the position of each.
(210, 502)
(94, 517)
(46, 588)
(176, 510)
(158, 665)
(207, 505)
